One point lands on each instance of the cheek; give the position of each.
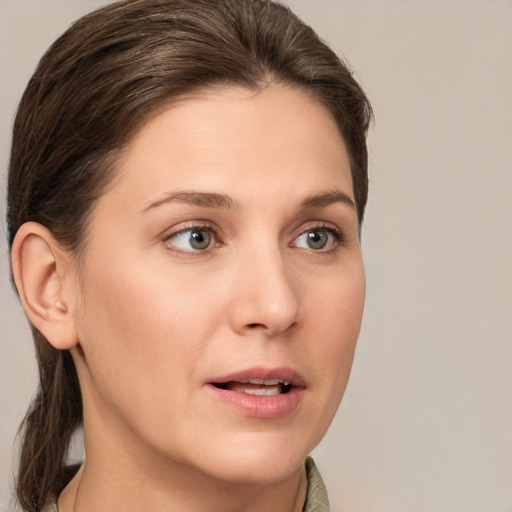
(139, 302)
(136, 321)
(336, 315)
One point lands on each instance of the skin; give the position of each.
(151, 320)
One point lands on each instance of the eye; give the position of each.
(318, 239)
(197, 238)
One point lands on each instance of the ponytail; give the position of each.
(46, 431)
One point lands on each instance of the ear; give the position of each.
(43, 276)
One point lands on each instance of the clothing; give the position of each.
(316, 497)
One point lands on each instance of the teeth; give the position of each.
(263, 391)
(259, 387)
(272, 382)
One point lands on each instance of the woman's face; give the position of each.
(222, 288)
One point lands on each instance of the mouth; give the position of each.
(257, 387)
(260, 392)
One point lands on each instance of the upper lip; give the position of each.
(260, 374)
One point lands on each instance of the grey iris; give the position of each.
(200, 239)
(317, 239)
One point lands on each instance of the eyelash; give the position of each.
(335, 232)
(211, 228)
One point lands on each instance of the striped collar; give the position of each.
(316, 498)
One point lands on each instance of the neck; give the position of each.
(113, 488)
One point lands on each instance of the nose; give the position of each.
(267, 299)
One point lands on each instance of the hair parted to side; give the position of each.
(89, 94)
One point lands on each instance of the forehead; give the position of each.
(236, 141)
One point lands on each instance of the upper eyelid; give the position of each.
(198, 225)
(338, 233)
(328, 226)
(215, 229)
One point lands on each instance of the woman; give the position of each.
(186, 187)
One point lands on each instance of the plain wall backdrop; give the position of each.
(426, 422)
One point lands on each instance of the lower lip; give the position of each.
(256, 406)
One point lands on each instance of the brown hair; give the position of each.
(90, 92)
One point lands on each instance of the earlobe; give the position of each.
(39, 270)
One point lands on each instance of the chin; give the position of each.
(264, 461)
(262, 471)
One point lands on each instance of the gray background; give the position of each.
(426, 423)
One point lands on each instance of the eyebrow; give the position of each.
(206, 199)
(213, 200)
(327, 198)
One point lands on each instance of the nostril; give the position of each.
(253, 327)
(256, 326)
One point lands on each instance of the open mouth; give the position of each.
(257, 387)
(259, 392)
